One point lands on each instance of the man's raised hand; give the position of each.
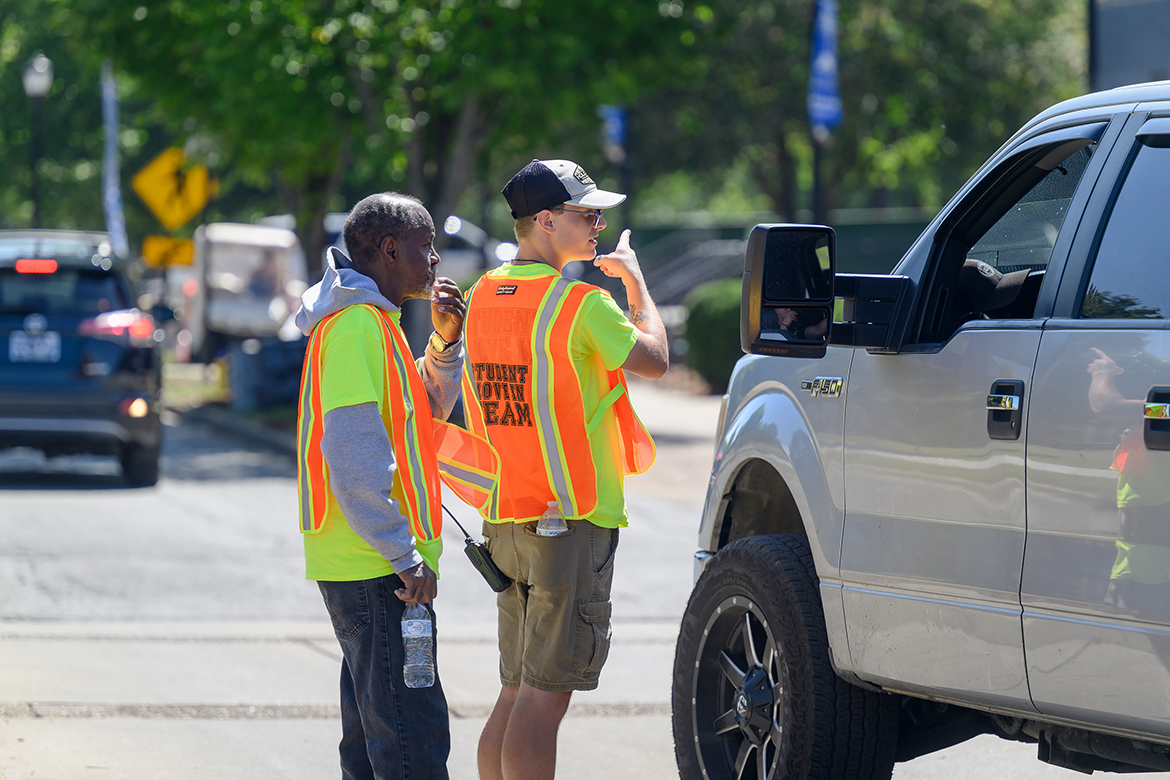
(621, 262)
(448, 310)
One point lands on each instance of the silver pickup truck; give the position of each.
(940, 500)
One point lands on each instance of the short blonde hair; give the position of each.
(523, 228)
(524, 225)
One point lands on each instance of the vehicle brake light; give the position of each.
(134, 407)
(33, 266)
(128, 323)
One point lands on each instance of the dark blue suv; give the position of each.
(79, 363)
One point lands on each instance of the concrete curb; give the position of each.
(243, 429)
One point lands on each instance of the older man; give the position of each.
(368, 477)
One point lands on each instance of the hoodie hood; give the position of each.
(340, 287)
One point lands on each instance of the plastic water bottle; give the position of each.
(552, 522)
(418, 641)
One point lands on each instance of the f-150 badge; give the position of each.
(827, 386)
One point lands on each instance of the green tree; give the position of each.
(713, 330)
(930, 89)
(72, 133)
(71, 140)
(314, 97)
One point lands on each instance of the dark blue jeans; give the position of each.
(389, 731)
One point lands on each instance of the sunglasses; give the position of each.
(595, 213)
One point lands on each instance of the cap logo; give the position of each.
(985, 269)
(582, 177)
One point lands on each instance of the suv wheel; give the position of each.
(755, 695)
(140, 465)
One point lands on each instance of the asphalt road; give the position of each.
(168, 633)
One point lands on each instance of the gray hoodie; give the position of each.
(354, 440)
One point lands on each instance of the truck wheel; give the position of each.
(140, 465)
(755, 696)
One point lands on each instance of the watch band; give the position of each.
(440, 345)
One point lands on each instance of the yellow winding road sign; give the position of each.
(173, 194)
(162, 251)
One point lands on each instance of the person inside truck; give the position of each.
(794, 324)
(985, 290)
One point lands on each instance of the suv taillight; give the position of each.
(129, 324)
(36, 266)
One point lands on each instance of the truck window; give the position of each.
(1022, 239)
(994, 259)
(1127, 281)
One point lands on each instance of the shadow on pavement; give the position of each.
(190, 453)
(60, 480)
(199, 453)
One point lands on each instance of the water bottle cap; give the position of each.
(554, 503)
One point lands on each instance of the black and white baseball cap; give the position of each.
(543, 184)
(986, 288)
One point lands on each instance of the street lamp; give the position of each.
(38, 79)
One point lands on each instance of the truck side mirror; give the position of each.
(787, 304)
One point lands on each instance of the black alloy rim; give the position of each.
(740, 678)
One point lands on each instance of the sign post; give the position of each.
(111, 178)
(613, 144)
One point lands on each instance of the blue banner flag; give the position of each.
(824, 97)
(613, 132)
(111, 182)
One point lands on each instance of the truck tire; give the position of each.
(754, 695)
(140, 465)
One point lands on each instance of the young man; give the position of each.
(543, 380)
(367, 475)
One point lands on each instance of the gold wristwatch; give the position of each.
(440, 345)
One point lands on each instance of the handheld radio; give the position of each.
(481, 559)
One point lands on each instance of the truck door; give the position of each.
(1096, 582)
(934, 477)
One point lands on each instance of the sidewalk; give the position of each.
(178, 701)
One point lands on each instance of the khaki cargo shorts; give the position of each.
(554, 619)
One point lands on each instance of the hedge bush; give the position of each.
(713, 330)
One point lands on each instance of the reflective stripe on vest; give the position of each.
(520, 373)
(425, 450)
(468, 464)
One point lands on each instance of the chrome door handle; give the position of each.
(1157, 411)
(1004, 417)
(999, 403)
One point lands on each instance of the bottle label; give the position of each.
(416, 628)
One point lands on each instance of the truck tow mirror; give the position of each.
(787, 304)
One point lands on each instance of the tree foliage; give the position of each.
(70, 166)
(713, 330)
(307, 105)
(930, 89)
(312, 97)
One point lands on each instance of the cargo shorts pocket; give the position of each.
(348, 606)
(593, 632)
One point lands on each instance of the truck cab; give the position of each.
(939, 501)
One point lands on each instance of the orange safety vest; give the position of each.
(426, 450)
(521, 390)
